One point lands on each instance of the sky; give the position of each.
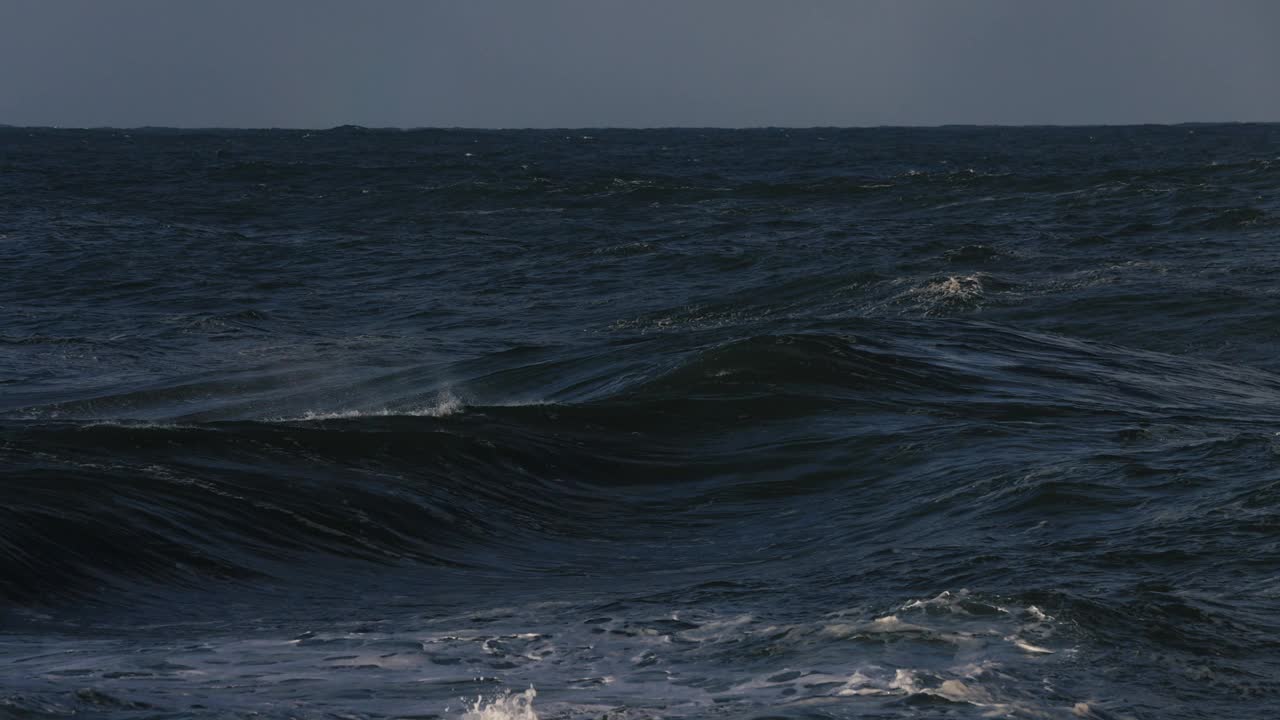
(636, 63)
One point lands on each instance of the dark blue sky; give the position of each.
(547, 63)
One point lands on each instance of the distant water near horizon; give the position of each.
(634, 424)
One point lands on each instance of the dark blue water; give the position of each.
(958, 422)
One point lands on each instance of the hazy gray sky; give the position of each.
(557, 63)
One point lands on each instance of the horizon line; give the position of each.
(632, 128)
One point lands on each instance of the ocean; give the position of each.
(958, 422)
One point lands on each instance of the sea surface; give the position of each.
(831, 423)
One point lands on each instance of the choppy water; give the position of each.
(880, 423)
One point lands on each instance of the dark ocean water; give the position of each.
(884, 423)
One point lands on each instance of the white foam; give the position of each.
(945, 599)
(510, 706)
(1038, 614)
(891, 624)
(1028, 647)
(445, 404)
(861, 684)
(139, 425)
(904, 679)
(955, 290)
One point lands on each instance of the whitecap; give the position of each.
(509, 706)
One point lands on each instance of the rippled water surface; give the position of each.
(884, 423)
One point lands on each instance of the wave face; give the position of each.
(957, 422)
